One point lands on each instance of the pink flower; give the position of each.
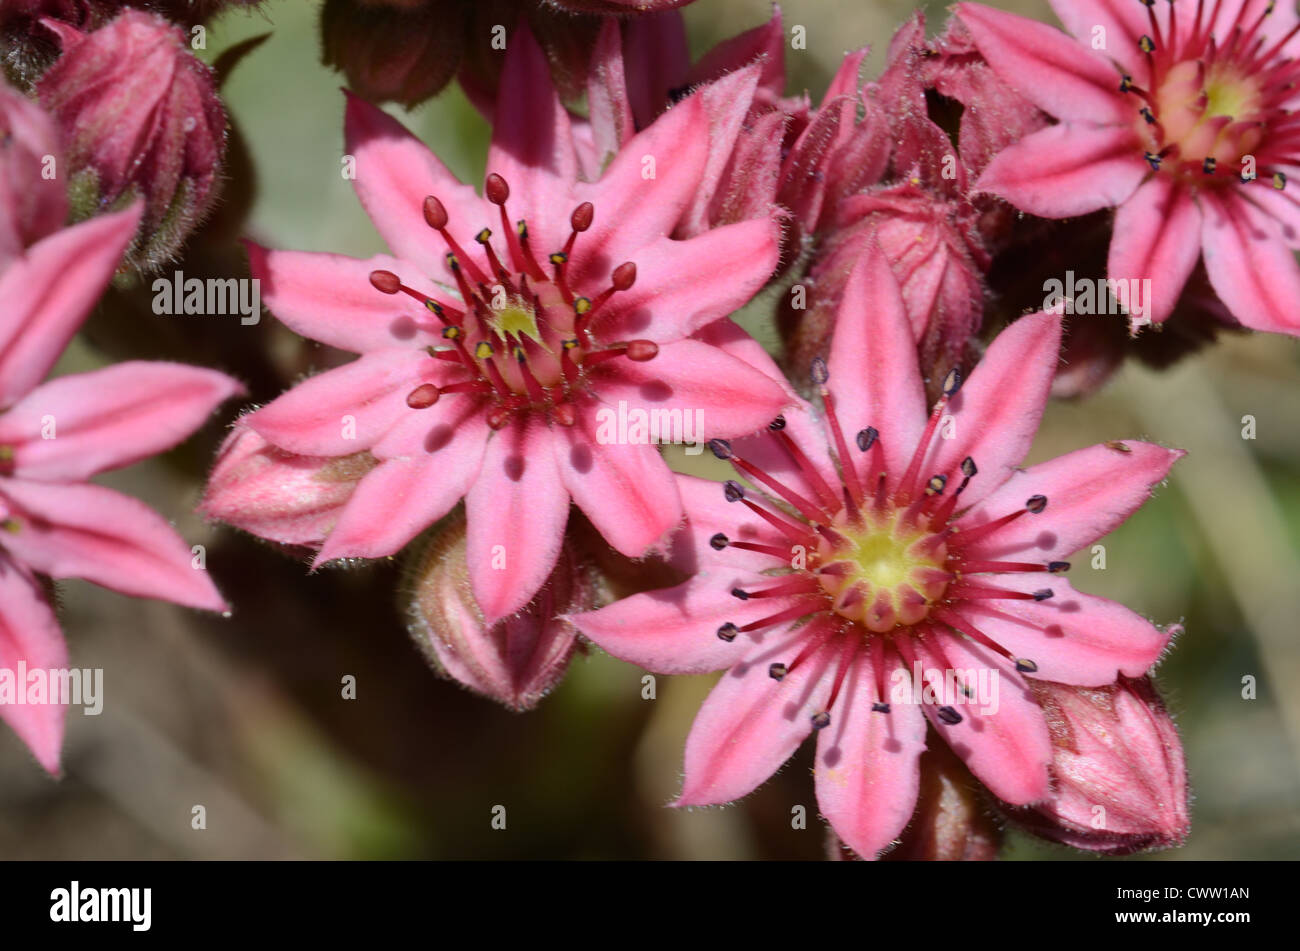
(1121, 779)
(141, 118)
(891, 543)
(1180, 121)
(500, 394)
(55, 436)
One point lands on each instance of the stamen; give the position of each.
(435, 216)
(423, 396)
(1034, 504)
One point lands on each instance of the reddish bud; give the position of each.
(287, 498)
(141, 118)
(518, 659)
(1121, 780)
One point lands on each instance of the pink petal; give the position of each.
(48, 292)
(715, 394)
(88, 531)
(1089, 493)
(1067, 170)
(29, 632)
(109, 418)
(1124, 21)
(410, 490)
(1074, 638)
(675, 630)
(347, 409)
(329, 297)
(1007, 748)
(517, 509)
(395, 171)
(868, 764)
(1060, 75)
(763, 44)
(1250, 265)
(707, 513)
(727, 104)
(627, 491)
(633, 210)
(1157, 236)
(682, 286)
(750, 723)
(873, 369)
(995, 414)
(532, 144)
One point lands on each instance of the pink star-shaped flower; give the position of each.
(504, 326)
(1179, 116)
(55, 436)
(886, 540)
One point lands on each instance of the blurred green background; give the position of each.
(244, 715)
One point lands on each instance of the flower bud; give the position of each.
(951, 822)
(1121, 781)
(399, 51)
(141, 118)
(938, 264)
(515, 661)
(27, 46)
(287, 498)
(32, 200)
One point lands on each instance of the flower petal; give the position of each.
(1074, 638)
(109, 418)
(627, 491)
(868, 771)
(675, 630)
(750, 723)
(517, 509)
(1055, 72)
(1250, 265)
(707, 513)
(633, 207)
(1089, 493)
(1067, 170)
(329, 297)
(48, 292)
(874, 375)
(29, 633)
(682, 286)
(532, 142)
(996, 413)
(1004, 739)
(349, 408)
(1124, 24)
(88, 531)
(1157, 237)
(411, 490)
(395, 171)
(715, 395)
